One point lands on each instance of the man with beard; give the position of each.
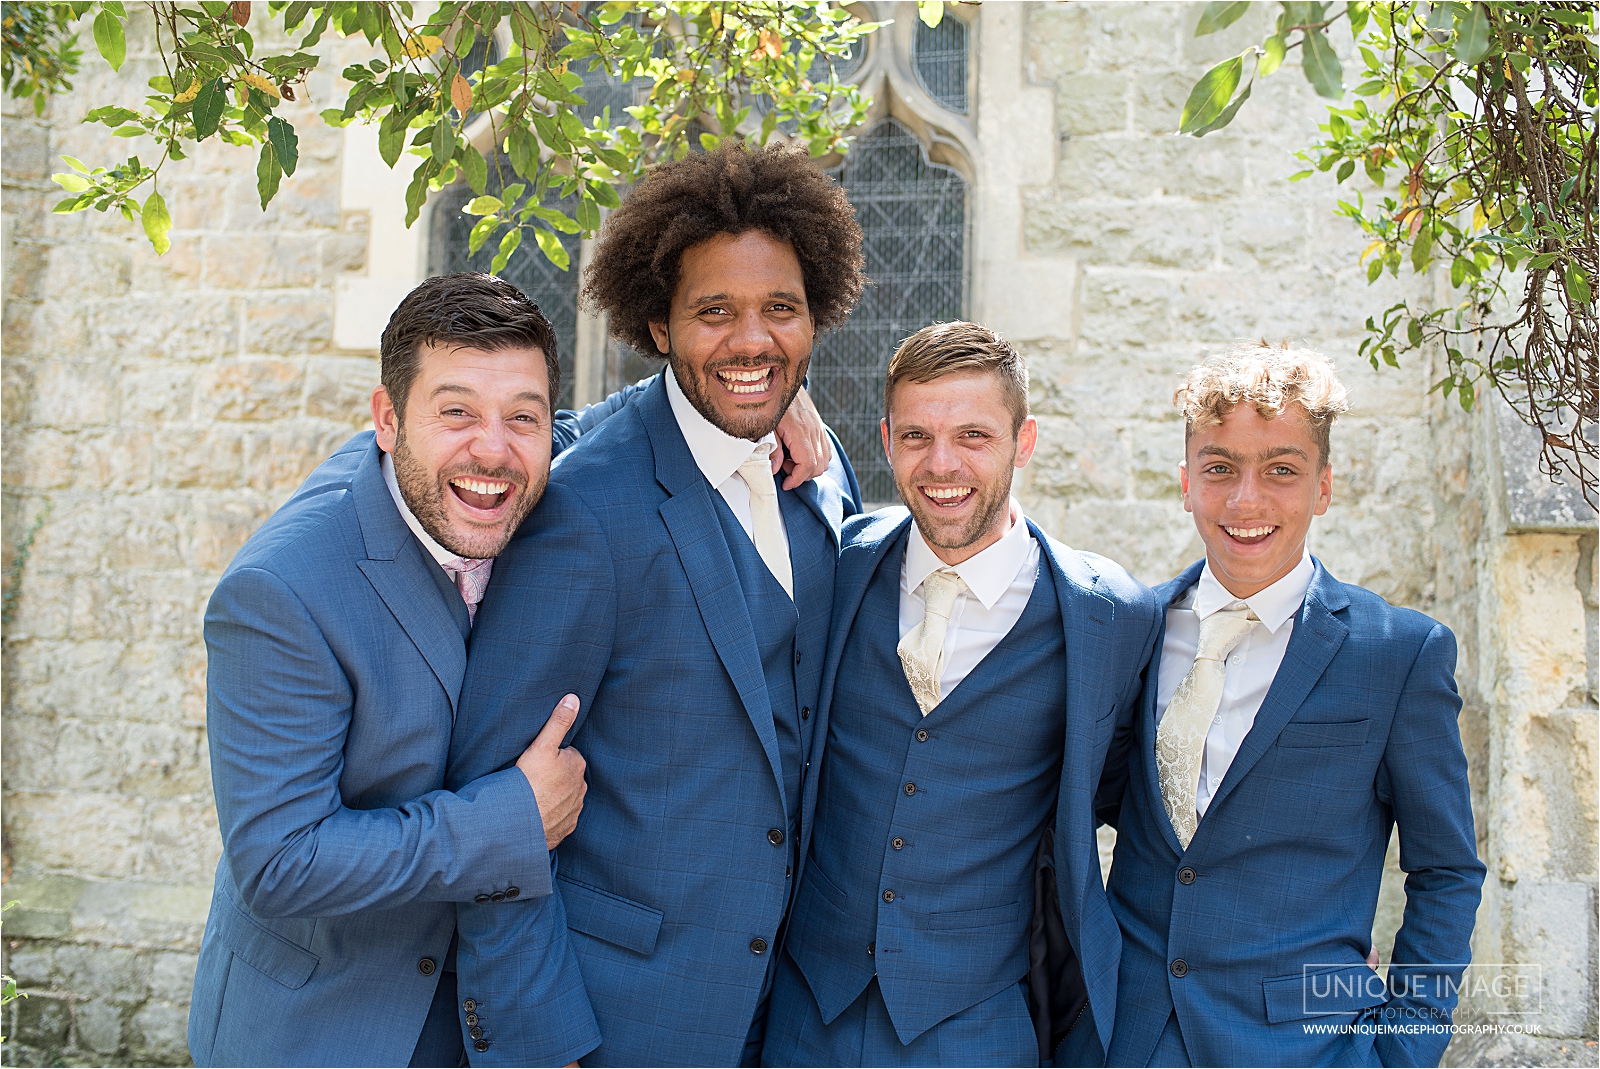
(695, 594)
(337, 642)
(976, 674)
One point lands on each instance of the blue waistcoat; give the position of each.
(777, 622)
(921, 865)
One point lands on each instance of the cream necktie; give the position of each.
(922, 650)
(766, 522)
(1181, 738)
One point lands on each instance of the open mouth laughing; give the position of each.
(746, 382)
(480, 495)
(1249, 536)
(947, 497)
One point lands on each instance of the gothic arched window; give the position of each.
(913, 216)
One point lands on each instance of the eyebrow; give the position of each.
(467, 391)
(696, 302)
(1269, 454)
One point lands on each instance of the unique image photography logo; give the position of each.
(1420, 998)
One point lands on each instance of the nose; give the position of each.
(1247, 493)
(751, 335)
(942, 457)
(491, 446)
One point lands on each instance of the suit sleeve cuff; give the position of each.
(526, 860)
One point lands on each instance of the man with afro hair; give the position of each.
(684, 592)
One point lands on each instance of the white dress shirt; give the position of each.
(438, 552)
(999, 583)
(718, 455)
(1249, 670)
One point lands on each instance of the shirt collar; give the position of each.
(988, 573)
(438, 552)
(716, 453)
(1272, 606)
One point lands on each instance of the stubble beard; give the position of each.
(424, 492)
(992, 501)
(751, 426)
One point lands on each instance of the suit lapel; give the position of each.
(823, 498)
(1317, 636)
(398, 570)
(691, 519)
(1166, 594)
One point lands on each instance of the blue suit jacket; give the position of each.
(622, 589)
(1109, 620)
(335, 657)
(335, 664)
(1270, 909)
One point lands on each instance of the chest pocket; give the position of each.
(1312, 735)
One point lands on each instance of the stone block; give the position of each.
(157, 393)
(262, 261)
(145, 915)
(184, 843)
(221, 528)
(1091, 103)
(1155, 449)
(1134, 36)
(278, 461)
(1123, 310)
(1552, 925)
(92, 834)
(41, 1022)
(30, 963)
(145, 531)
(199, 456)
(341, 252)
(340, 388)
(289, 325)
(158, 1033)
(16, 382)
(1265, 233)
(43, 461)
(1077, 460)
(30, 746)
(252, 389)
(1203, 52)
(97, 1026)
(309, 200)
(172, 977)
(165, 761)
(1057, 40)
(190, 327)
(73, 393)
(113, 459)
(27, 157)
(1158, 100)
(89, 271)
(179, 268)
(198, 202)
(88, 755)
(1164, 234)
(1153, 540)
(114, 974)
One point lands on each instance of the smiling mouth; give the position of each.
(1249, 536)
(745, 382)
(947, 497)
(485, 495)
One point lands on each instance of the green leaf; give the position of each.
(1414, 332)
(417, 191)
(552, 248)
(268, 175)
(508, 245)
(1357, 10)
(157, 222)
(475, 169)
(1543, 261)
(555, 218)
(1466, 394)
(480, 233)
(391, 41)
(1472, 35)
(1346, 169)
(1299, 175)
(931, 12)
(1578, 285)
(109, 39)
(1421, 249)
(1374, 269)
(1274, 48)
(392, 136)
(769, 123)
(444, 141)
(208, 105)
(72, 183)
(605, 194)
(285, 143)
(1210, 95)
(483, 205)
(588, 214)
(1227, 114)
(1321, 66)
(1220, 14)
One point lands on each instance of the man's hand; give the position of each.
(806, 451)
(556, 774)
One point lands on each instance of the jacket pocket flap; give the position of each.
(1311, 734)
(985, 917)
(1340, 989)
(266, 952)
(617, 920)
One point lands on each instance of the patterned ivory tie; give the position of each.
(472, 579)
(766, 522)
(1181, 738)
(922, 650)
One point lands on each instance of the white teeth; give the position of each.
(479, 486)
(947, 493)
(1249, 532)
(743, 380)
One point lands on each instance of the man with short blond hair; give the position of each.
(977, 672)
(1289, 722)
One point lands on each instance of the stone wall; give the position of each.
(157, 409)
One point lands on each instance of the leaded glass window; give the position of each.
(913, 216)
(940, 57)
(555, 291)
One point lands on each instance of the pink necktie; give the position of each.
(472, 579)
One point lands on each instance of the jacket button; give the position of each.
(758, 945)
(512, 892)
(911, 788)
(469, 1005)
(1186, 875)
(922, 734)
(498, 896)
(481, 899)
(472, 1019)
(872, 948)
(888, 896)
(481, 1045)
(775, 837)
(796, 656)
(475, 1032)
(898, 843)
(805, 714)
(1180, 968)
(426, 966)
